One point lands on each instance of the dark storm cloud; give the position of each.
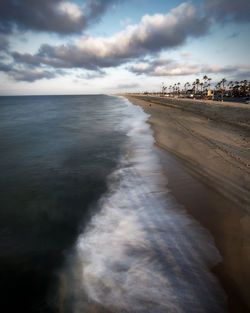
(153, 34)
(63, 17)
(229, 10)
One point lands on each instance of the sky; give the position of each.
(115, 46)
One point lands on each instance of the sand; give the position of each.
(205, 152)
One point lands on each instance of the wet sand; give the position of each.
(212, 180)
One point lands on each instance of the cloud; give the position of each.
(4, 45)
(186, 55)
(163, 67)
(240, 70)
(59, 16)
(26, 58)
(153, 34)
(29, 74)
(228, 10)
(5, 67)
(96, 8)
(128, 86)
(92, 75)
(239, 76)
(233, 35)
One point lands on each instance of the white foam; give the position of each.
(141, 252)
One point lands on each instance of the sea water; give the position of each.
(87, 221)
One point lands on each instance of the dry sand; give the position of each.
(212, 140)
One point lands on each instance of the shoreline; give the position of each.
(214, 142)
(205, 174)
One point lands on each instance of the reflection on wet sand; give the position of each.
(229, 225)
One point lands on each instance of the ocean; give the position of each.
(87, 221)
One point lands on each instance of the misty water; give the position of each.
(87, 221)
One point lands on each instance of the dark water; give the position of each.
(87, 222)
(56, 153)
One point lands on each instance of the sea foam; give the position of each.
(141, 252)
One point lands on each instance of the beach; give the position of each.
(95, 217)
(204, 149)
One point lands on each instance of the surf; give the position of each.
(141, 252)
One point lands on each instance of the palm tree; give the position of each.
(175, 88)
(201, 84)
(230, 86)
(209, 80)
(186, 86)
(236, 88)
(223, 82)
(217, 86)
(164, 90)
(178, 87)
(223, 88)
(244, 87)
(194, 84)
(197, 82)
(205, 78)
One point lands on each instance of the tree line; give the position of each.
(232, 88)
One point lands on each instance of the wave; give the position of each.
(141, 252)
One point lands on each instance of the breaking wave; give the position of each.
(141, 252)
